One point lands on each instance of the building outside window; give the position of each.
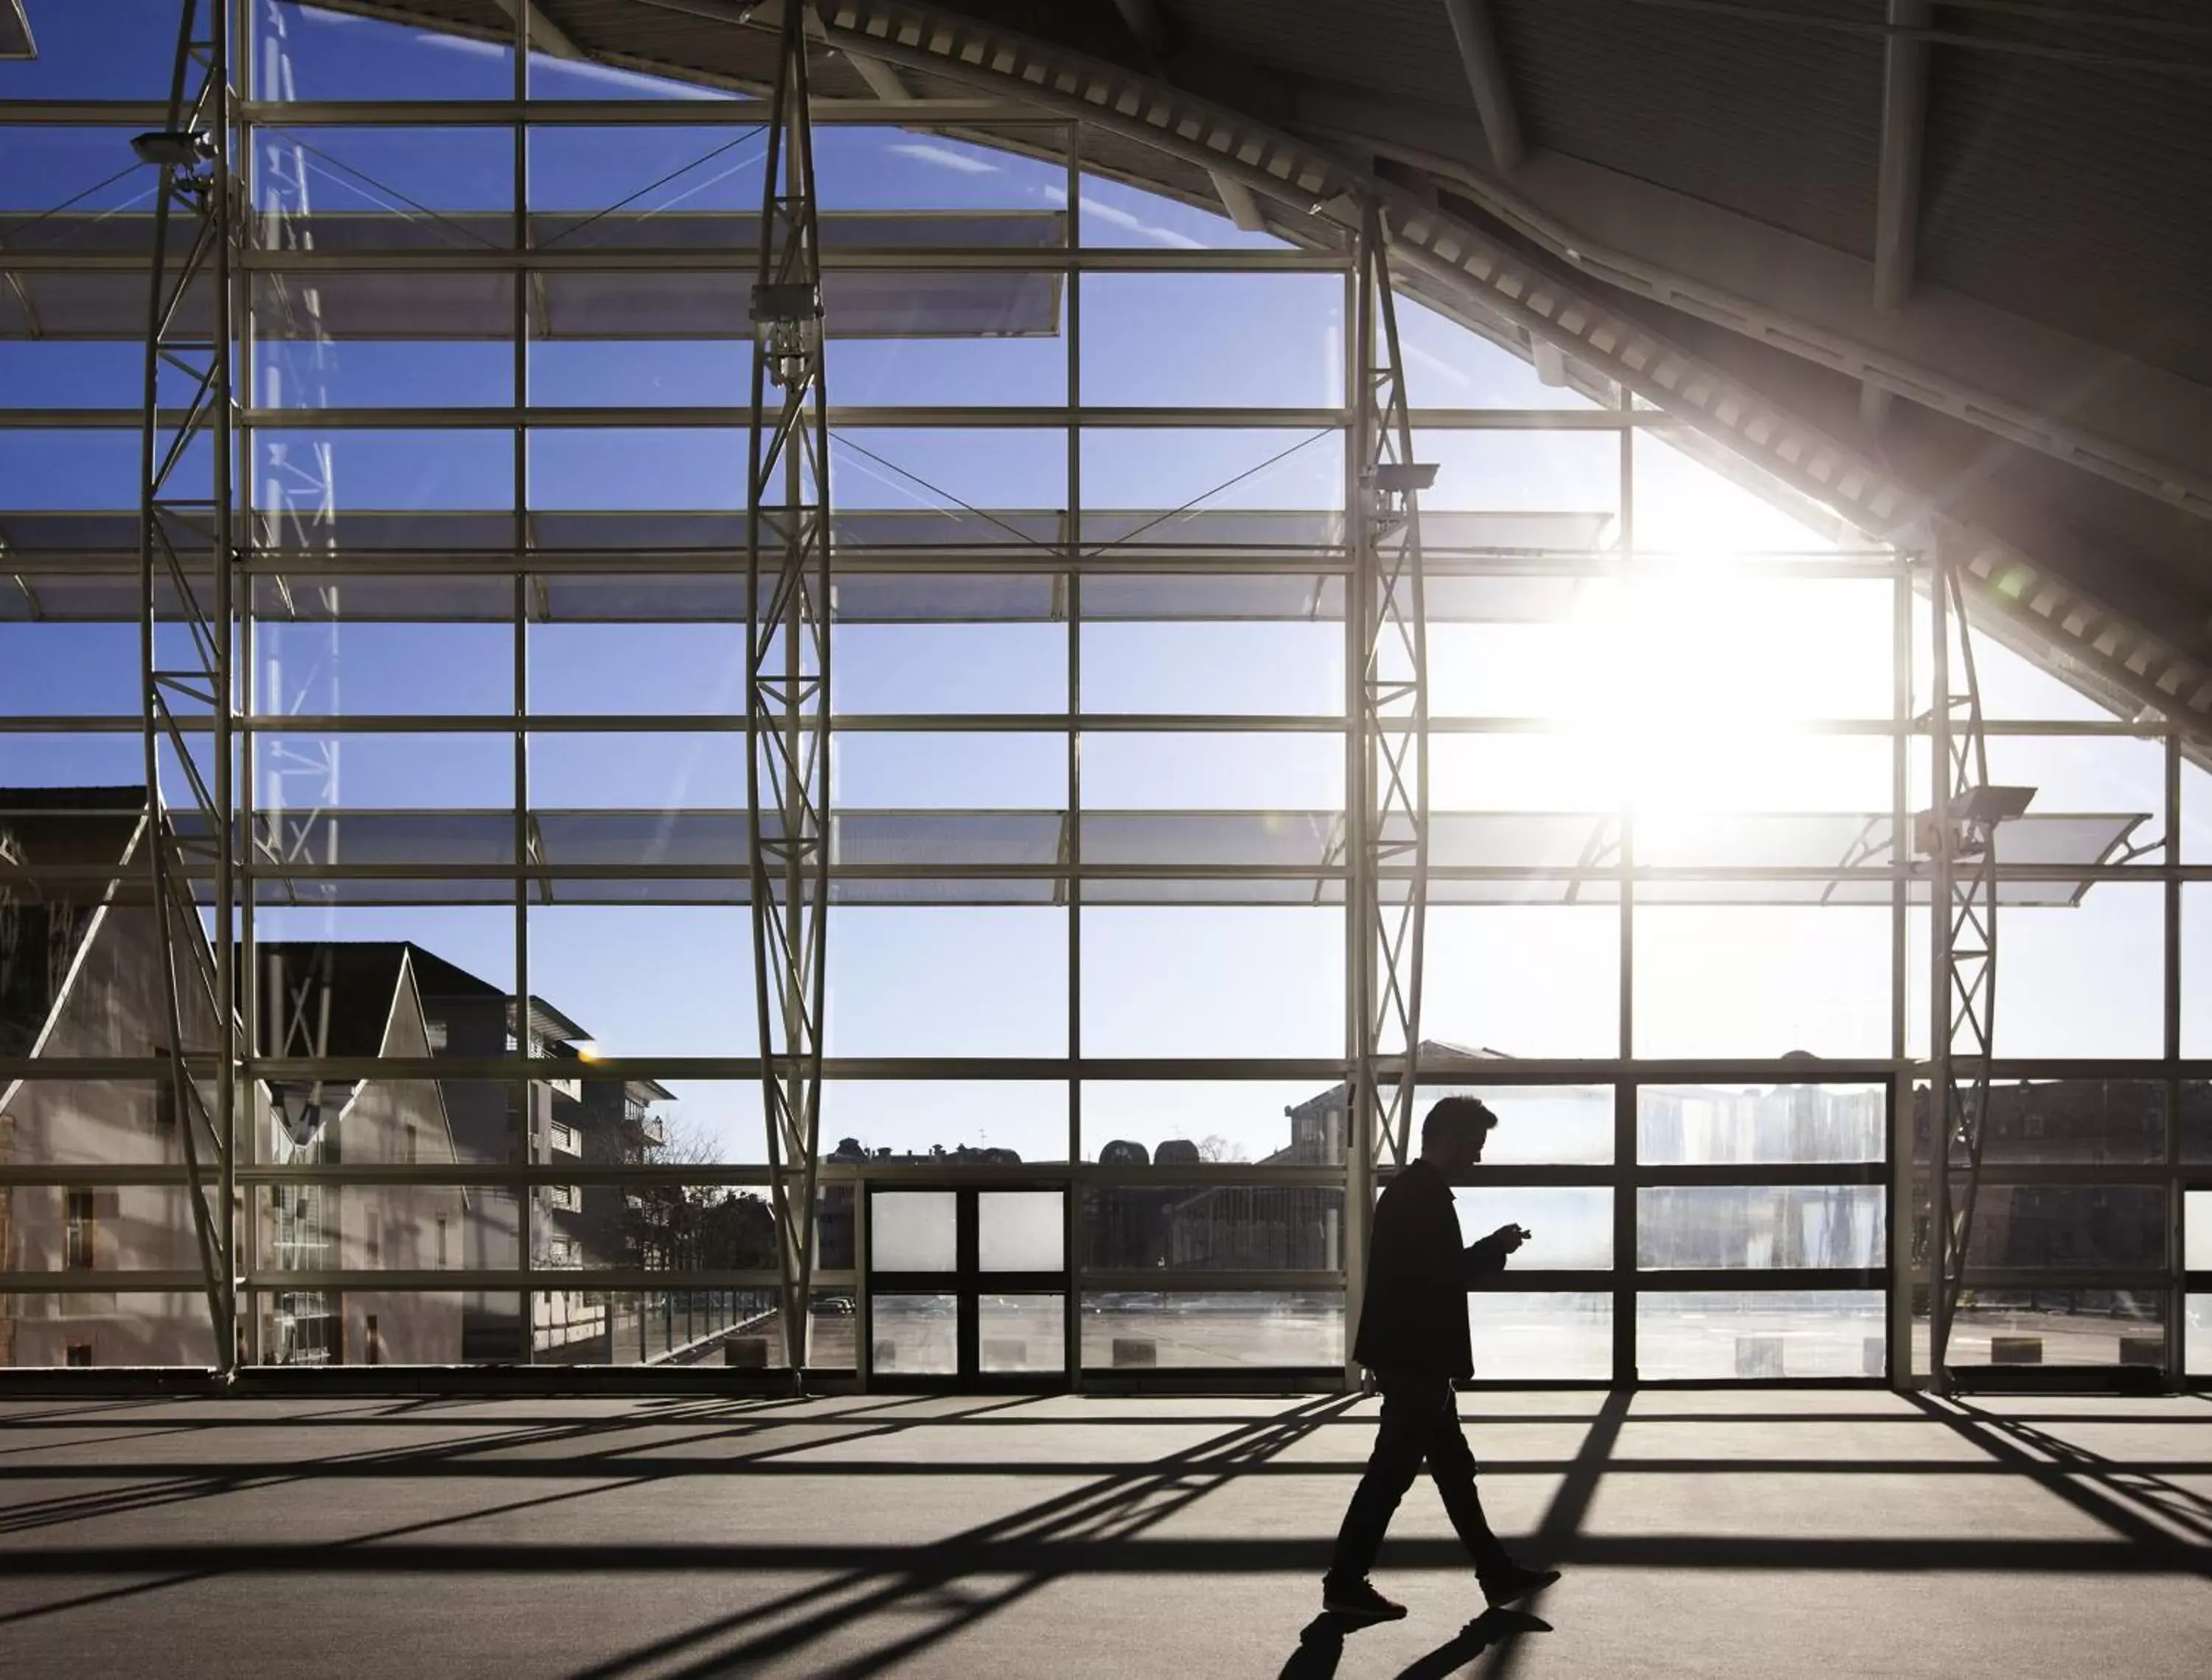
(79, 1241)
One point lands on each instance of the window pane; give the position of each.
(1114, 214)
(1291, 669)
(1521, 472)
(2070, 1225)
(348, 668)
(1226, 1227)
(1243, 1330)
(1213, 340)
(913, 1231)
(1571, 1227)
(2088, 1120)
(737, 1327)
(999, 1121)
(1016, 1333)
(304, 52)
(1759, 1333)
(1758, 1226)
(123, 49)
(1699, 1125)
(1221, 981)
(915, 669)
(385, 188)
(1763, 982)
(915, 1334)
(2197, 1347)
(1523, 980)
(109, 1328)
(1685, 507)
(694, 996)
(1179, 487)
(865, 167)
(1451, 366)
(1196, 771)
(1132, 1123)
(1021, 1230)
(1537, 1124)
(2063, 1327)
(2050, 1004)
(1555, 1337)
(1001, 770)
(972, 980)
(626, 668)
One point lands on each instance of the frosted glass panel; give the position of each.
(1021, 1333)
(1553, 1338)
(913, 1231)
(1571, 1225)
(1759, 1226)
(1021, 1230)
(915, 1334)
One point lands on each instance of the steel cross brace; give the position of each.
(1959, 836)
(787, 675)
(1388, 799)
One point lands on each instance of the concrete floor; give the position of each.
(1773, 1533)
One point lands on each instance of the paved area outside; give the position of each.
(1769, 1532)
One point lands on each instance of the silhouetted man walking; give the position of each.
(1413, 1336)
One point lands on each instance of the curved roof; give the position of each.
(1939, 265)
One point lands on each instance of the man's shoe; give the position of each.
(1359, 1599)
(1515, 1582)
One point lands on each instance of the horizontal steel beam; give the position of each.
(494, 418)
(537, 113)
(1484, 1073)
(896, 259)
(1143, 1281)
(626, 1278)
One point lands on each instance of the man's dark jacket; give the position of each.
(1414, 1319)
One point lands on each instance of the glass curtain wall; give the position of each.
(1090, 669)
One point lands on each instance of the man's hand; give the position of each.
(1509, 1238)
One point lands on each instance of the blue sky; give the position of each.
(1709, 664)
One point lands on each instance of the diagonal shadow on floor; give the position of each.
(1110, 1509)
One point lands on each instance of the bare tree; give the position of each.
(1215, 1147)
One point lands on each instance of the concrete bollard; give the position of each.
(746, 1353)
(2015, 1350)
(2143, 1350)
(886, 1355)
(1135, 1350)
(1874, 1356)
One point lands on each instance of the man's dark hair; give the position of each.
(1456, 1116)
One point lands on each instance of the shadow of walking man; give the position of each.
(1493, 1627)
(1320, 1645)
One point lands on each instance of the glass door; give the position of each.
(966, 1288)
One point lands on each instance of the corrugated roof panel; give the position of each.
(1397, 48)
(1777, 121)
(2069, 194)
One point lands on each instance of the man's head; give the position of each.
(1452, 1136)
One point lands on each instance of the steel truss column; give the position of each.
(188, 563)
(1958, 836)
(1390, 798)
(787, 674)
